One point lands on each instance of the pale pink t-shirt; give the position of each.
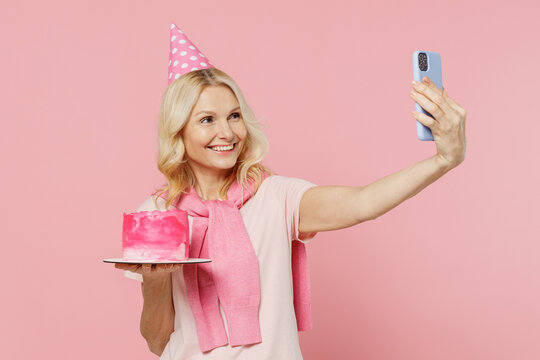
(271, 219)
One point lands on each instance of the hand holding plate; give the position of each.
(150, 270)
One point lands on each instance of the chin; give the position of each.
(223, 164)
(224, 167)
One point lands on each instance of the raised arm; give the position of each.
(325, 208)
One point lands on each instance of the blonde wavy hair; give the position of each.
(178, 101)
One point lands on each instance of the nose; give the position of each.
(224, 130)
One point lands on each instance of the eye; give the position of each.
(210, 118)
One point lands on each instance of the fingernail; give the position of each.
(414, 82)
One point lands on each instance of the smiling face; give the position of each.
(214, 120)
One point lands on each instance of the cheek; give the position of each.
(196, 139)
(241, 131)
(243, 136)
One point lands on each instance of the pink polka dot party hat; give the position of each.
(184, 56)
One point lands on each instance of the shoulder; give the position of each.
(284, 182)
(285, 186)
(270, 183)
(150, 205)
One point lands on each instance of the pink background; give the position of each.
(449, 274)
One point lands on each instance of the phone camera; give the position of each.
(422, 61)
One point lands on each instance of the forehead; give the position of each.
(216, 98)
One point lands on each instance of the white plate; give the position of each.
(188, 261)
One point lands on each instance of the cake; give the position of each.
(155, 235)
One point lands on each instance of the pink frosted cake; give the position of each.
(155, 235)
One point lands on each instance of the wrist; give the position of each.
(442, 164)
(157, 278)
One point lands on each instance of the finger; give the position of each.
(163, 267)
(124, 266)
(146, 268)
(460, 110)
(425, 120)
(455, 106)
(129, 267)
(429, 106)
(175, 267)
(433, 93)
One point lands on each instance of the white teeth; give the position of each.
(222, 148)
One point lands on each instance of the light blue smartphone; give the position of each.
(426, 63)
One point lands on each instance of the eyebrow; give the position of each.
(211, 112)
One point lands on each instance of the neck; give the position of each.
(208, 184)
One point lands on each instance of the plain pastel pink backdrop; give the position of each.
(451, 273)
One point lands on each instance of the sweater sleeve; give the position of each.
(147, 205)
(290, 191)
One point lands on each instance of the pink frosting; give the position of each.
(156, 235)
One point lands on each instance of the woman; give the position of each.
(202, 114)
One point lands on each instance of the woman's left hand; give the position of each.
(447, 124)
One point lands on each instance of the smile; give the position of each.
(223, 149)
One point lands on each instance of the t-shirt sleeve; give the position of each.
(147, 205)
(291, 190)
